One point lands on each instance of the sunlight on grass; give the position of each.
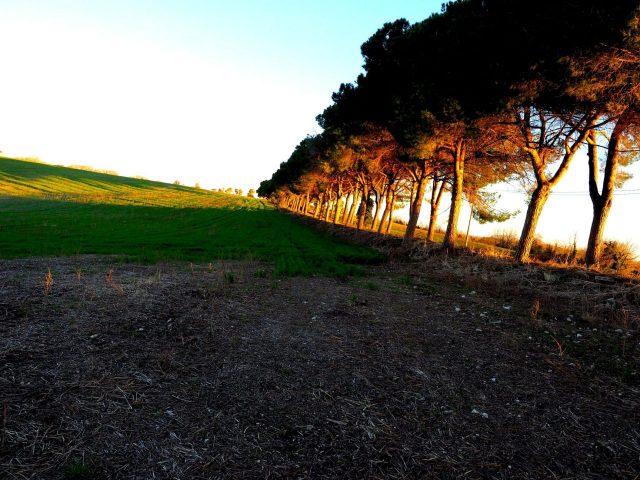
(48, 210)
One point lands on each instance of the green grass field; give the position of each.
(48, 210)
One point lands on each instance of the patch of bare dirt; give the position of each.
(431, 369)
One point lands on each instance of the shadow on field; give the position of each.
(226, 228)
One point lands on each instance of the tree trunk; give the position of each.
(316, 214)
(327, 212)
(602, 201)
(436, 197)
(336, 212)
(380, 212)
(449, 242)
(388, 207)
(362, 209)
(376, 210)
(538, 199)
(353, 209)
(390, 222)
(345, 210)
(414, 211)
(594, 246)
(544, 183)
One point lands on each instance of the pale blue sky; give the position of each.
(212, 92)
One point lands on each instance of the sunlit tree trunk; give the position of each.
(449, 242)
(316, 214)
(436, 196)
(380, 212)
(327, 212)
(376, 209)
(353, 209)
(347, 209)
(416, 207)
(536, 204)
(390, 221)
(306, 204)
(362, 209)
(388, 207)
(337, 210)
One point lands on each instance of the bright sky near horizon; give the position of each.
(208, 91)
(215, 92)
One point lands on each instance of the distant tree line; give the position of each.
(236, 191)
(88, 168)
(484, 91)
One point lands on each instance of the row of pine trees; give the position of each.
(483, 92)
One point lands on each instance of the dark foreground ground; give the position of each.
(432, 369)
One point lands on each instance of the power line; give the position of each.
(621, 193)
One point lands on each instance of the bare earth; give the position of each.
(432, 369)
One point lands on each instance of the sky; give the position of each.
(214, 92)
(208, 91)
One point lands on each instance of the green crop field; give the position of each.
(49, 210)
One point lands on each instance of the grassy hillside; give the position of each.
(50, 210)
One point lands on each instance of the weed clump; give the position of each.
(617, 256)
(48, 282)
